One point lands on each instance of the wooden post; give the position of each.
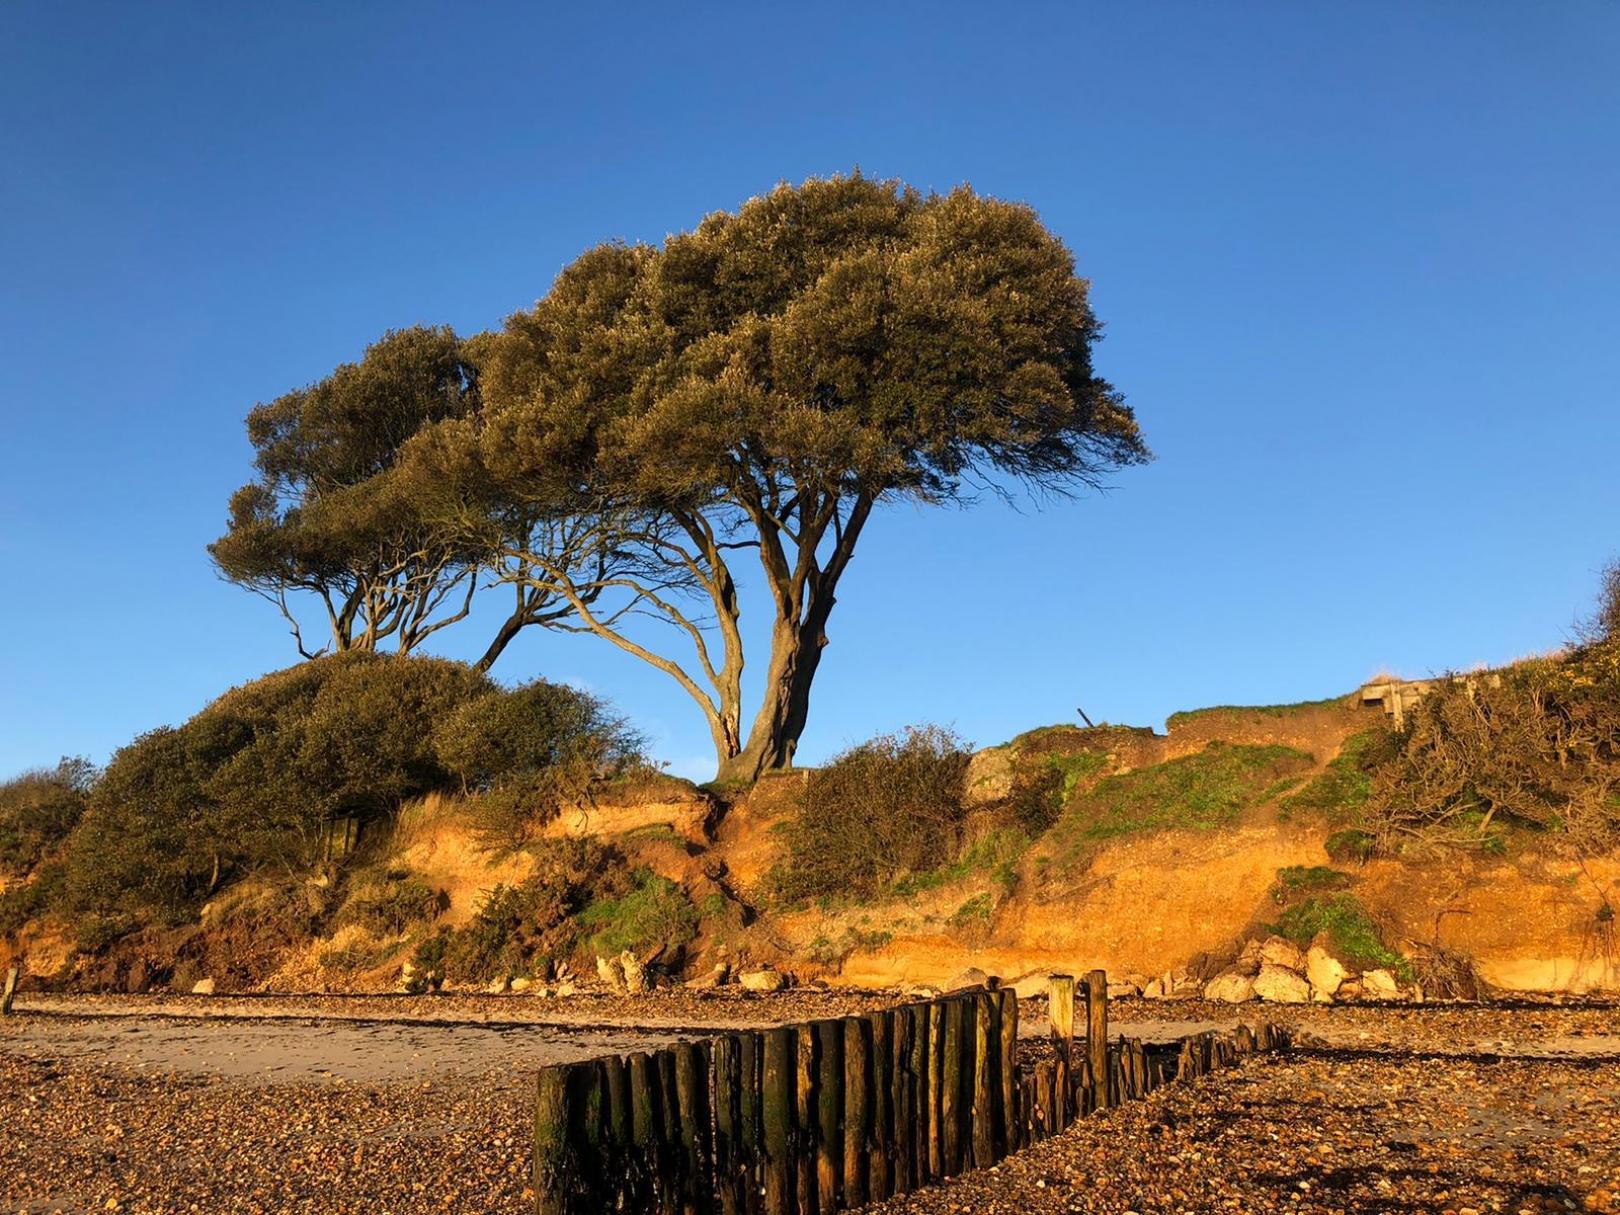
(936, 1090)
(616, 1131)
(1060, 1001)
(1008, 1027)
(730, 1165)
(551, 1171)
(950, 1090)
(986, 1049)
(830, 1112)
(750, 1141)
(917, 1087)
(900, 1107)
(647, 1159)
(777, 1115)
(881, 1139)
(1097, 1035)
(857, 1108)
(692, 1096)
(805, 1120)
(9, 993)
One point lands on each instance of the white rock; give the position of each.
(1324, 970)
(762, 980)
(610, 974)
(1232, 986)
(1280, 951)
(566, 988)
(635, 974)
(1280, 985)
(499, 987)
(1154, 989)
(1036, 983)
(1379, 985)
(521, 984)
(203, 987)
(1118, 989)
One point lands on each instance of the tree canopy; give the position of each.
(763, 383)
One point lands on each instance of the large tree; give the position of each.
(328, 515)
(763, 384)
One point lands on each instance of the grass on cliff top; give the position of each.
(1338, 794)
(1196, 792)
(1303, 706)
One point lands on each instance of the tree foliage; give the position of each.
(762, 384)
(329, 514)
(37, 810)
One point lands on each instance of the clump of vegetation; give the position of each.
(1337, 794)
(391, 903)
(995, 853)
(1534, 747)
(523, 928)
(1348, 927)
(37, 811)
(1186, 716)
(884, 809)
(1351, 845)
(533, 728)
(654, 912)
(1296, 880)
(831, 951)
(975, 913)
(1197, 792)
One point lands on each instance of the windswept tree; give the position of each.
(762, 385)
(328, 515)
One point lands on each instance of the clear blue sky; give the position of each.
(1359, 263)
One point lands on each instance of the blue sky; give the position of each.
(1359, 264)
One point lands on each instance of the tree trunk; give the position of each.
(795, 656)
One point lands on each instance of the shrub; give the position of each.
(1534, 747)
(524, 927)
(391, 904)
(24, 901)
(1351, 845)
(1338, 793)
(654, 912)
(1353, 933)
(1295, 880)
(886, 808)
(37, 811)
(535, 727)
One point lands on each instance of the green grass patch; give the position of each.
(1338, 793)
(995, 853)
(831, 951)
(975, 912)
(1187, 715)
(1196, 792)
(1296, 880)
(1354, 935)
(655, 911)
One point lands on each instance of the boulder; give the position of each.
(1153, 990)
(610, 974)
(1280, 985)
(1129, 985)
(1231, 986)
(715, 978)
(1248, 961)
(1379, 985)
(1035, 983)
(566, 988)
(203, 987)
(765, 980)
(1324, 970)
(1280, 951)
(520, 984)
(499, 987)
(636, 982)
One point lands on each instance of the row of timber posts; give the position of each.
(832, 1114)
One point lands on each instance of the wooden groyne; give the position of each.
(832, 1114)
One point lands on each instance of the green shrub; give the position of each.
(1351, 845)
(37, 811)
(1197, 792)
(1338, 793)
(653, 912)
(390, 904)
(535, 727)
(885, 808)
(517, 929)
(1295, 880)
(25, 901)
(1353, 933)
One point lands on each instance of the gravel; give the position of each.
(1434, 1109)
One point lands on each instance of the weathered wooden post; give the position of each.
(857, 1108)
(880, 1141)
(830, 1113)
(917, 1087)
(551, 1142)
(750, 1141)
(9, 993)
(778, 1120)
(950, 1106)
(1097, 1034)
(568, 1129)
(1060, 1000)
(692, 1096)
(900, 1107)
(1007, 1027)
(805, 1120)
(986, 1049)
(936, 1090)
(730, 1165)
